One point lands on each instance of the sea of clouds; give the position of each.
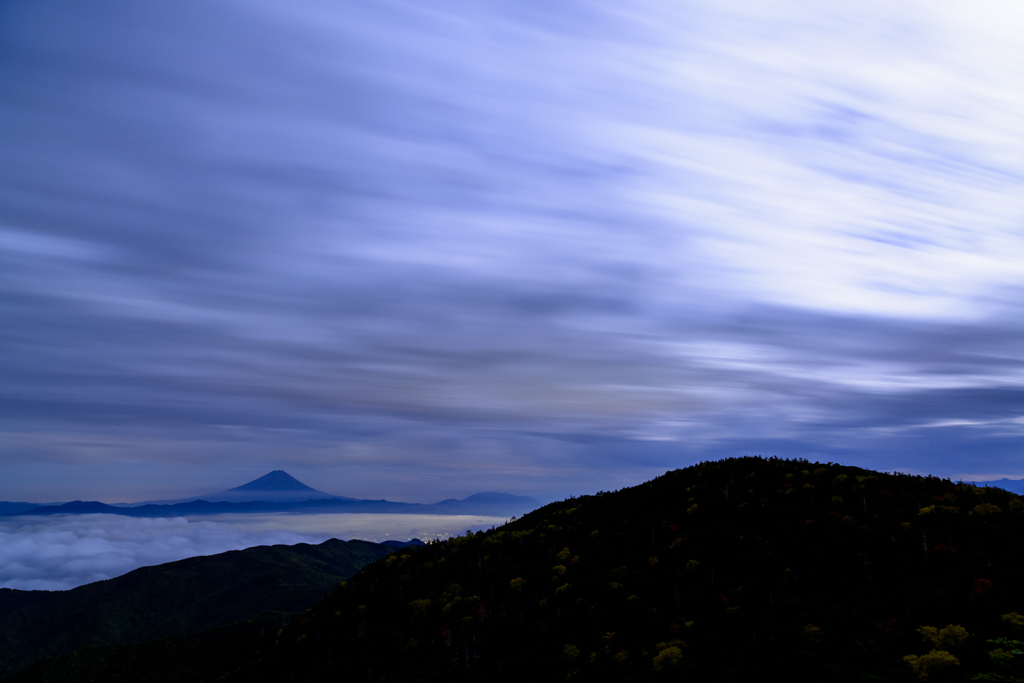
(540, 248)
(62, 552)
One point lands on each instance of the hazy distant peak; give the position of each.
(278, 480)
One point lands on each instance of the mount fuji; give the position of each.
(275, 487)
(278, 491)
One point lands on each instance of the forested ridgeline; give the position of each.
(726, 571)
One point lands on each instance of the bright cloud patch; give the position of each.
(57, 553)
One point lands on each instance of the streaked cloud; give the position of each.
(422, 251)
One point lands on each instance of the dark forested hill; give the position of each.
(739, 570)
(176, 598)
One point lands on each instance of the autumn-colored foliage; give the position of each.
(669, 656)
(1013, 619)
(927, 667)
(419, 607)
(946, 638)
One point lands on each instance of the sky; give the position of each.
(415, 250)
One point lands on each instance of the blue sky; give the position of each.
(419, 250)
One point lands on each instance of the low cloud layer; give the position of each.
(57, 553)
(418, 251)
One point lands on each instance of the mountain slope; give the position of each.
(175, 598)
(739, 570)
(278, 491)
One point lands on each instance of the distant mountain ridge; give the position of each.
(505, 507)
(278, 491)
(7, 508)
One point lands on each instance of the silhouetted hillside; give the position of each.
(176, 598)
(740, 570)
